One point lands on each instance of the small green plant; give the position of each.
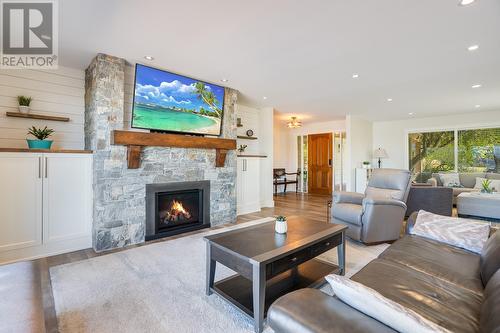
(281, 218)
(366, 163)
(40, 133)
(486, 186)
(24, 101)
(242, 148)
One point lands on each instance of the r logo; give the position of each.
(27, 27)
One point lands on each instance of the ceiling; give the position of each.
(301, 54)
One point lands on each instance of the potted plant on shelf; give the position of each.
(242, 148)
(41, 134)
(24, 103)
(366, 165)
(281, 226)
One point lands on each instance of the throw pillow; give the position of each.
(450, 179)
(375, 305)
(495, 184)
(467, 234)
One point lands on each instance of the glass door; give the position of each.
(302, 162)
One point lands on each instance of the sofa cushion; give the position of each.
(492, 175)
(349, 212)
(440, 301)
(372, 303)
(458, 190)
(312, 311)
(490, 257)
(445, 262)
(469, 179)
(490, 320)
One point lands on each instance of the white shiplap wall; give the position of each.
(58, 92)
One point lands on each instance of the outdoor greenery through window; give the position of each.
(478, 150)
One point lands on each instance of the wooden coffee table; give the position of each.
(270, 265)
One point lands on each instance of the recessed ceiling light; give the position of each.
(264, 97)
(473, 47)
(224, 80)
(411, 113)
(477, 106)
(355, 76)
(466, 2)
(389, 100)
(149, 58)
(476, 86)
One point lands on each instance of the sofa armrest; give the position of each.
(312, 311)
(432, 181)
(348, 197)
(385, 202)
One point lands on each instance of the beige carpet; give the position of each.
(158, 288)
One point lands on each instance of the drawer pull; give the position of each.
(294, 259)
(327, 244)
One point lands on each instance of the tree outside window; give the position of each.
(479, 150)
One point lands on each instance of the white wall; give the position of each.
(281, 144)
(392, 135)
(358, 146)
(58, 92)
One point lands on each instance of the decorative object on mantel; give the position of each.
(41, 135)
(238, 122)
(136, 140)
(281, 226)
(36, 116)
(366, 165)
(242, 148)
(380, 153)
(24, 103)
(249, 133)
(294, 123)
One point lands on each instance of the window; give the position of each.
(430, 152)
(479, 150)
(467, 150)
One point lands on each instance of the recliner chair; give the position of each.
(377, 215)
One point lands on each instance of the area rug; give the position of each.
(159, 287)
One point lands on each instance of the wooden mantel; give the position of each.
(136, 140)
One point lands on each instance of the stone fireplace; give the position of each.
(174, 208)
(119, 207)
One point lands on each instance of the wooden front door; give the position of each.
(320, 163)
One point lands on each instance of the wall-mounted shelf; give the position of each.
(36, 116)
(246, 137)
(239, 125)
(251, 155)
(136, 140)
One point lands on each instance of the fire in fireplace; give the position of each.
(173, 208)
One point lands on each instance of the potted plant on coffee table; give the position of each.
(24, 103)
(41, 135)
(281, 226)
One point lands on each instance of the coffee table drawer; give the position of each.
(326, 245)
(290, 261)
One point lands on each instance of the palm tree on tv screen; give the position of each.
(208, 97)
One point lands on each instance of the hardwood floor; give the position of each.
(290, 204)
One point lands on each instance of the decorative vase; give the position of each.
(281, 226)
(24, 109)
(39, 144)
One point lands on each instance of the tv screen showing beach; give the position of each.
(165, 101)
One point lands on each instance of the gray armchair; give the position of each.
(376, 216)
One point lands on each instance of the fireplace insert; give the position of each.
(173, 208)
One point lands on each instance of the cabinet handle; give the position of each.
(46, 166)
(40, 167)
(294, 259)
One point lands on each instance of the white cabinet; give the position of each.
(45, 204)
(248, 185)
(362, 177)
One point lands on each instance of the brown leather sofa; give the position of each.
(454, 288)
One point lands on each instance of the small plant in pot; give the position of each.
(366, 165)
(281, 226)
(242, 148)
(24, 103)
(41, 134)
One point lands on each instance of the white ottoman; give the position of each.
(480, 205)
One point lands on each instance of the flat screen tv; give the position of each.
(169, 102)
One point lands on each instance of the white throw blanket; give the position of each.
(464, 233)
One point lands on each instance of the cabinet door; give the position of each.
(20, 200)
(67, 196)
(251, 184)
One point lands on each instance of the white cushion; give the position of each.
(450, 179)
(464, 233)
(495, 183)
(375, 305)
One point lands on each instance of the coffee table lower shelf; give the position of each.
(238, 290)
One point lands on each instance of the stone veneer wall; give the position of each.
(119, 193)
